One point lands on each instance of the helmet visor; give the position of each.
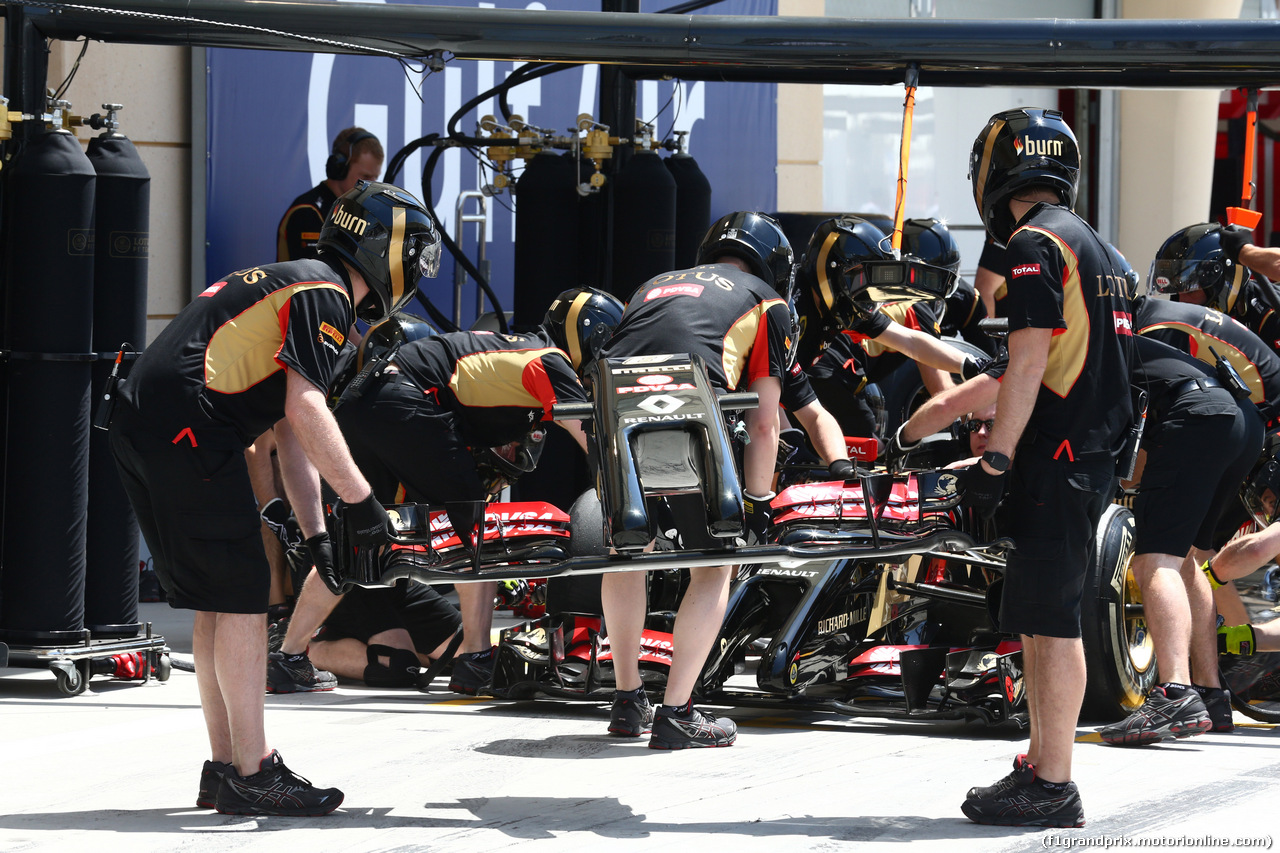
(907, 281)
(1174, 275)
(428, 255)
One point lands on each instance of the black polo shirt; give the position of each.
(299, 228)
(1060, 277)
(735, 321)
(224, 356)
(498, 385)
(1196, 330)
(1166, 374)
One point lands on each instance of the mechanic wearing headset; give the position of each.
(416, 422)
(357, 156)
(200, 394)
(1064, 410)
(731, 310)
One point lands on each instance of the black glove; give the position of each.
(973, 366)
(759, 515)
(1233, 238)
(898, 448)
(276, 515)
(842, 469)
(982, 491)
(321, 551)
(365, 523)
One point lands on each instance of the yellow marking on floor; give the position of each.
(1091, 737)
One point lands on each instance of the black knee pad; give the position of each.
(402, 671)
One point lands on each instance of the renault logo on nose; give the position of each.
(661, 404)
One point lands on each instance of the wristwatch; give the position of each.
(996, 461)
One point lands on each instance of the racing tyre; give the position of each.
(581, 594)
(1120, 658)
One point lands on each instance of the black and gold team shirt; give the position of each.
(1060, 277)
(498, 385)
(223, 358)
(1199, 332)
(733, 320)
(299, 228)
(1247, 302)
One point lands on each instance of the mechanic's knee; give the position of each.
(400, 670)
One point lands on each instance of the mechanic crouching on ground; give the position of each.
(1064, 410)
(728, 312)
(259, 346)
(414, 426)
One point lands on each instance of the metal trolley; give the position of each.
(73, 665)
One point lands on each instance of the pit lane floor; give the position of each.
(116, 768)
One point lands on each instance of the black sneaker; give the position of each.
(296, 674)
(1023, 773)
(1217, 701)
(1028, 804)
(472, 672)
(274, 790)
(1160, 717)
(672, 730)
(210, 778)
(632, 714)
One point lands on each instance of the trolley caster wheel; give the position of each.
(161, 667)
(72, 676)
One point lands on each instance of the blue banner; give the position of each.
(272, 117)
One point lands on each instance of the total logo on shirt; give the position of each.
(1024, 269)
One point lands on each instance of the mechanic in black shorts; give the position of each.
(199, 395)
(414, 429)
(1201, 331)
(384, 640)
(731, 310)
(1064, 411)
(1190, 415)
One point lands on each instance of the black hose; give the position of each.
(459, 257)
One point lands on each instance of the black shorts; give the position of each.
(1194, 469)
(364, 612)
(1052, 511)
(197, 513)
(407, 446)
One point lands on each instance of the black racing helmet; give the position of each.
(580, 321)
(1019, 149)
(1261, 489)
(1192, 259)
(501, 466)
(849, 266)
(393, 332)
(756, 239)
(389, 238)
(930, 240)
(1122, 265)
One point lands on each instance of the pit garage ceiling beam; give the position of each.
(1057, 53)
